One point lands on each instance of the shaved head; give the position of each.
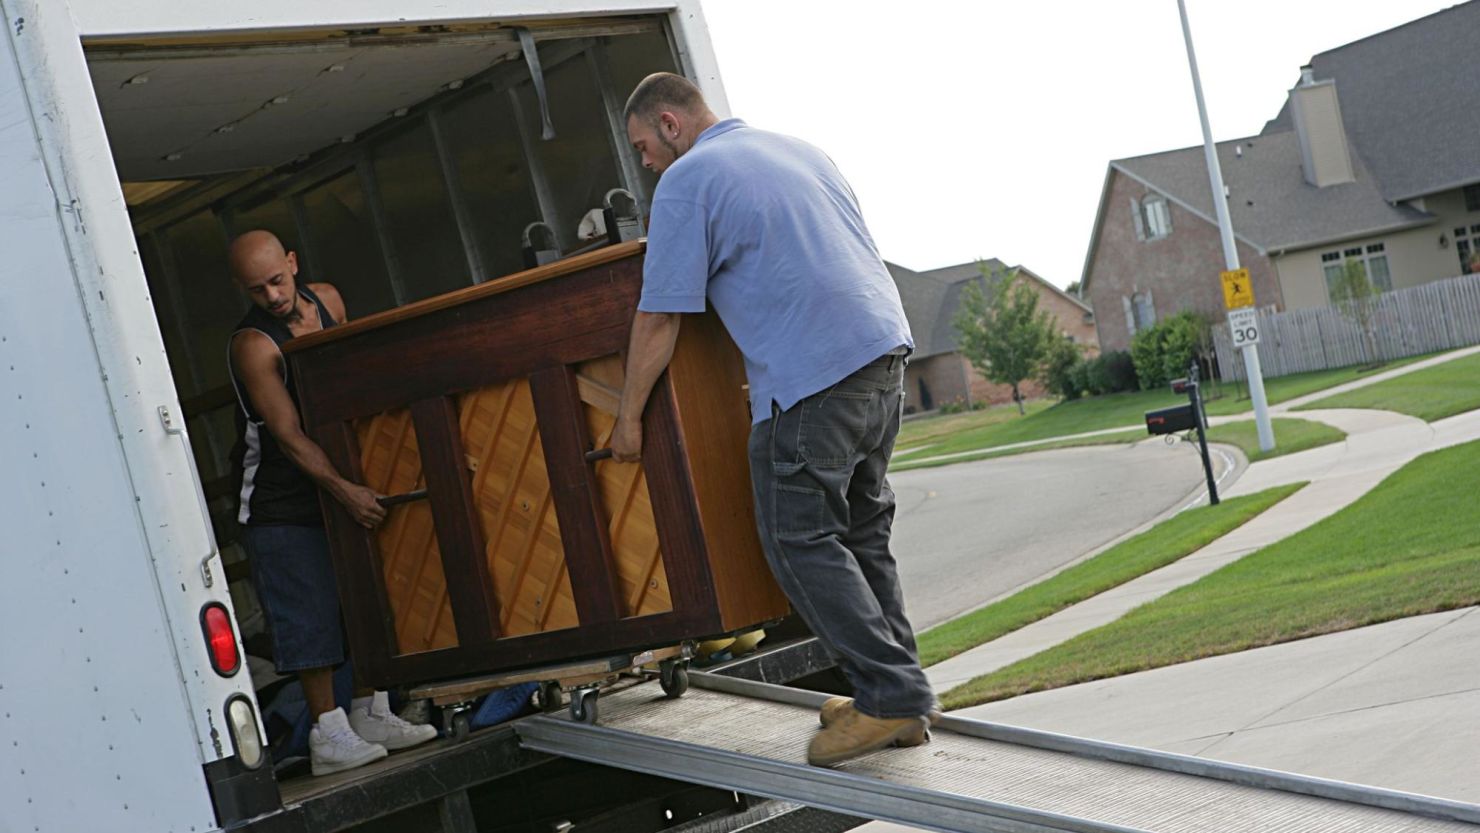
(267, 272)
(664, 91)
(251, 247)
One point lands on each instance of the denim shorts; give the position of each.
(295, 586)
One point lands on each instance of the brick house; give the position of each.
(1372, 159)
(938, 374)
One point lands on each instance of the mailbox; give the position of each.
(1171, 420)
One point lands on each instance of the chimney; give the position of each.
(1325, 156)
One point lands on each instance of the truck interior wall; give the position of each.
(403, 211)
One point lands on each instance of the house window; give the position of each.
(1140, 311)
(1152, 217)
(1158, 218)
(1373, 261)
(1472, 197)
(1467, 245)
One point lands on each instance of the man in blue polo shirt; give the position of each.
(764, 227)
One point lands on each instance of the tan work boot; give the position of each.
(834, 708)
(854, 733)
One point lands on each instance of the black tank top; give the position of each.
(274, 491)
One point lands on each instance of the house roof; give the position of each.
(1271, 205)
(1409, 135)
(931, 298)
(1408, 101)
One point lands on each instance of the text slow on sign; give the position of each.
(1243, 325)
(1238, 290)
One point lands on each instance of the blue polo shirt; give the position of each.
(766, 228)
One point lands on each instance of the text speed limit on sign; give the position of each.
(1243, 324)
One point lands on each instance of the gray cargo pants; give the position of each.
(824, 509)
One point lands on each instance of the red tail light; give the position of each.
(215, 622)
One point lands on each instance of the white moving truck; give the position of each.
(402, 148)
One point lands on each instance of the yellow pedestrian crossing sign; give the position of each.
(1238, 290)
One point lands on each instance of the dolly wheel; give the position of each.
(583, 706)
(460, 727)
(673, 676)
(550, 697)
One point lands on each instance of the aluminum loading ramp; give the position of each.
(972, 777)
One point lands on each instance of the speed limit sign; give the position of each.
(1243, 323)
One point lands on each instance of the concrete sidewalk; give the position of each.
(1393, 705)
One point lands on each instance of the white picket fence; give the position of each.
(1436, 316)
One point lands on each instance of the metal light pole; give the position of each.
(1230, 249)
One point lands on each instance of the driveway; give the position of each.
(967, 533)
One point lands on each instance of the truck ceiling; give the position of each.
(109, 19)
(195, 106)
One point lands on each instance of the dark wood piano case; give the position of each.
(524, 553)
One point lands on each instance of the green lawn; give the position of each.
(1284, 388)
(1408, 547)
(1001, 425)
(1429, 394)
(927, 460)
(1290, 436)
(1180, 535)
(1120, 410)
(930, 429)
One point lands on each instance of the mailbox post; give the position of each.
(1183, 417)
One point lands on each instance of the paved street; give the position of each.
(967, 533)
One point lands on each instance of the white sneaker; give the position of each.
(334, 747)
(374, 721)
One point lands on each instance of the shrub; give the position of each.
(1057, 370)
(1162, 353)
(1147, 348)
(1082, 375)
(1097, 379)
(1186, 333)
(1118, 371)
(1111, 372)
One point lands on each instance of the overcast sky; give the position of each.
(982, 129)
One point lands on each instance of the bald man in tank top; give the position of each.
(282, 523)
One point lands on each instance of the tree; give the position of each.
(1003, 333)
(1356, 297)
